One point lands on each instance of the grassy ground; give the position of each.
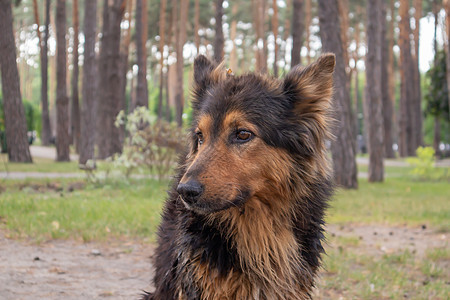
(67, 209)
(38, 165)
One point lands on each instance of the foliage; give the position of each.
(424, 165)
(151, 143)
(437, 95)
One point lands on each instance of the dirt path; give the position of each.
(73, 270)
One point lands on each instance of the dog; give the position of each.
(245, 216)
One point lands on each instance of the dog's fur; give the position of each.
(257, 149)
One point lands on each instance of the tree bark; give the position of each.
(342, 148)
(407, 79)
(15, 122)
(181, 39)
(219, 39)
(417, 100)
(89, 104)
(391, 79)
(233, 30)
(308, 19)
(46, 132)
(162, 35)
(385, 80)
(297, 32)
(286, 31)
(141, 38)
(373, 90)
(75, 112)
(275, 36)
(110, 96)
(197, 25)
(62, 100)
(447, 21)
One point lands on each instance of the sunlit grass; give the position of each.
(116, 209)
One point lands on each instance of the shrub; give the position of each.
(152, 144)
(424, 166)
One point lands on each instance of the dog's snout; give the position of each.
(190, 190)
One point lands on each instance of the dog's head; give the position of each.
(250, 134)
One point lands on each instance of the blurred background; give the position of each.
(95, 102)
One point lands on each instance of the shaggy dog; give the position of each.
(245, 215)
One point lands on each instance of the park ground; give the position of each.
(62, 236)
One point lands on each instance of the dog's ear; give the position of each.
(310, 90)
(206, 73)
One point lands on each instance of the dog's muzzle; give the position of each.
(190, 191)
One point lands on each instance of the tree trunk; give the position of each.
(391, 80)
(181, 39)
(141, 38)
(46, 132)
(297, 32)
(447, 21)
(373, 90)
(162, 34)
(275, 36)
(15, 122)
(219, 39)
(407, 79)
(344, 23)
(437, 136)
(417, 100)
(89, 104)
(385, 95)
(342, 148)
(233, 30)
(62, 100)
(110, 96)
(286, 31)
(75, 113)
(356, 95)
(197, 25)
(308, 19)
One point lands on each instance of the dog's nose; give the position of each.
(190, 190)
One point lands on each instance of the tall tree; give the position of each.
(308, 18)
(406, 139)
(447, 22)
(75, 107)
(62, 100)
(219, 39)
(297, 32)
(141, 49)
(389, 152)
(197, 25)
(233, 32)
(387, 107)
(15, 123)
(89, 104)
(162, 40)
(417, 100)
(275, 36)
(342, 148)
(43, 50)
(124, 65)
(373, 98)
(108, 139)
(181, 39)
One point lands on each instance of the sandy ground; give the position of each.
(121, 270)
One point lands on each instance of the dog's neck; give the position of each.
(268, 252)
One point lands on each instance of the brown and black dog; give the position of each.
(244, 219)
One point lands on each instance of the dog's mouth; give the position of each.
(205, 205)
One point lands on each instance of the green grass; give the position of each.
(351, 274)
(114, 210)
(38, 165)
(396, 201)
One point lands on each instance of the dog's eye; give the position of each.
(243, 136)
(199, 137)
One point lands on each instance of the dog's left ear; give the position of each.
(310, 90)
(206, 73)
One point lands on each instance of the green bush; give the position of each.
(424, 165)
(152, 144)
